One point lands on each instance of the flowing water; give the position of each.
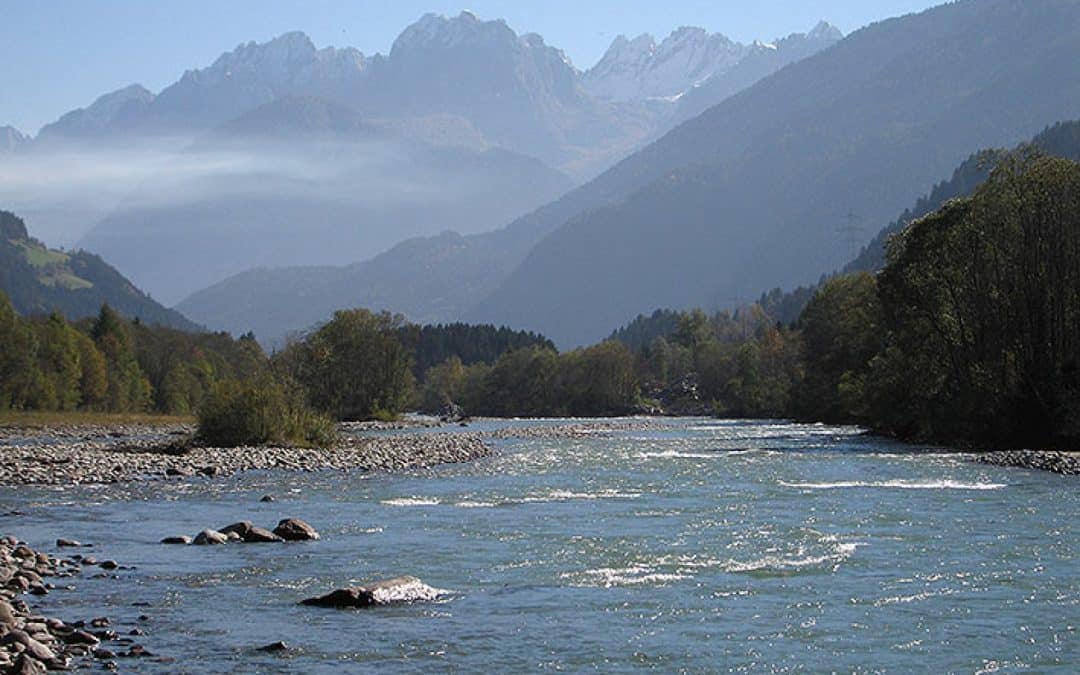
(704, 546)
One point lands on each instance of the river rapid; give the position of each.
(696, 545)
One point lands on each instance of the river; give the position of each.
(696, 546)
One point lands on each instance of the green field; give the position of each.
(18, 418)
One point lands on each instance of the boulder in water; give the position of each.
(278, 646)
(210, 537)
(399, 590)
(241, 528)
(259, 535)
(294, 529)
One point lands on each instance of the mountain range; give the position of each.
(283, 154)
(757, 191)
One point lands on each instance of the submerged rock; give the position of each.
(182, 539)
(294, 529)
(399, 590)
(278, 646)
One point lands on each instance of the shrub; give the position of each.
(259, 412)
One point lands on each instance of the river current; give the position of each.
(699, 546)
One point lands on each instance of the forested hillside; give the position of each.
(39, 280)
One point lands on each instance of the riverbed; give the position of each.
(694, 545)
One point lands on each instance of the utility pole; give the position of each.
(850, 235)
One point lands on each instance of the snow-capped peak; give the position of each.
(640, 69)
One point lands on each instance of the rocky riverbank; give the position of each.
(92, 454)
(1067, 463)
(31, 643)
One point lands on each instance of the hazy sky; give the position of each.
(58, 55)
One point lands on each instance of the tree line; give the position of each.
(970, 333)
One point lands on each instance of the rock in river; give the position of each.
(294, 529)
(259, 535)
(398, 590)
(240, 529)
(209, 537)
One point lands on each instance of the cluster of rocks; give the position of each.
(1067, 463)
(399, 590)
(31, 643)
(62, 456)
(289, 529)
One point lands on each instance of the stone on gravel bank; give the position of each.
(399, 590)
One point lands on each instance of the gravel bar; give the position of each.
(94, 454)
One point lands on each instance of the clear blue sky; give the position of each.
(57, 55)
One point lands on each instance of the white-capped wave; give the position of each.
(634, 575)
(567, 495)
(675, 454)
(840, 551)
(411, 501)
(897, 484)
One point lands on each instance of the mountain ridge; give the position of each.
(861, 124)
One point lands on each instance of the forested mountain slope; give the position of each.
(39, 280)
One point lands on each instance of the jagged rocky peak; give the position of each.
(436, 31)
(820, 36)
(825, 31)
(281, 58)
(640, 69)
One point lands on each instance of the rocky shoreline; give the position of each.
(31, 644)
(1066, 463)
(95, 454)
